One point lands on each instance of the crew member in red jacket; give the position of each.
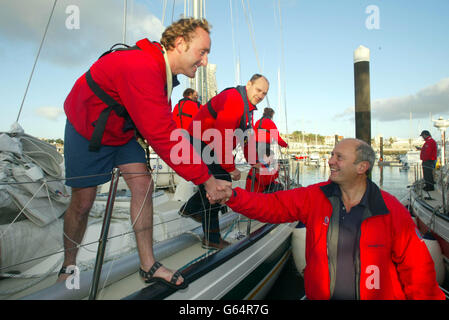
(266, 173)
(136, 84)
(428, 156)
(212, 133)
(186, 109)
(361, 242)
(266, 130)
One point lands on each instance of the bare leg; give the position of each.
(141, 186)
(75, 222)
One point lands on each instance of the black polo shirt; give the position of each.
(349, 227)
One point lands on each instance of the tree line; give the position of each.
(52, 141)
(309, 138)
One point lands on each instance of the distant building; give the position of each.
(406, 143)
(207, 89)
(400, 144)
(377, 139)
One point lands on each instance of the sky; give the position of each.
(305, 49)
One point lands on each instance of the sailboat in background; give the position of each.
(32, 250)
(431, 208)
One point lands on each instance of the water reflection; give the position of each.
(388, 178)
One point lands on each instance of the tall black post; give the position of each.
(362, 95)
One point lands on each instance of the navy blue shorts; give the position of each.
(80, 162)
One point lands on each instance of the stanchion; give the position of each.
(253, 180)
(104, 234)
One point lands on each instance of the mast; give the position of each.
(199, 83)
(125, 7)
(442, 125)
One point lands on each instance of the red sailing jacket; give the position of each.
(261, 181)
(392, 261)
(189, 109)
(229, 108)
(263, 132)
(137, 80)
(429, 150)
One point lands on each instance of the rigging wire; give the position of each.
(249, 22)
(283, 67)
(35, 61)
(251, 34)
(234, 49)
(173, 10)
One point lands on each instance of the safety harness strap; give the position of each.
(246, 120)
(100, 124)
(182, 113)
(120, 110)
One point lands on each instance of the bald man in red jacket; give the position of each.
(212, 130)
(361, 242)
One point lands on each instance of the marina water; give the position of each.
(388, 178)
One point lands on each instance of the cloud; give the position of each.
(100, 26)
(432, 99)
(347, 114)
(49, 113)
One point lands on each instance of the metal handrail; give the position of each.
(253, 180)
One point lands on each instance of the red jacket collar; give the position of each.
(375, 201)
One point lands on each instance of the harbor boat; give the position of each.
(411, 157)
(32, 254)
(314, 159)
(405, 167)
(301, 157)
(299, 247)
(33, 199)
(431, 208)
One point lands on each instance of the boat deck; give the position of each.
(181, 259)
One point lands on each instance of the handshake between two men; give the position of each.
(217, 190)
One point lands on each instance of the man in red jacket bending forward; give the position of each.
(136, 84)
(361, 242)
(212, 133)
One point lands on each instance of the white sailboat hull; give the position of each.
(428, 219)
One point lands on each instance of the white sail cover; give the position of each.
(31, 177)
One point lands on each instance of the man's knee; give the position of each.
(80, 208)
(144, 188)
(82, 201)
